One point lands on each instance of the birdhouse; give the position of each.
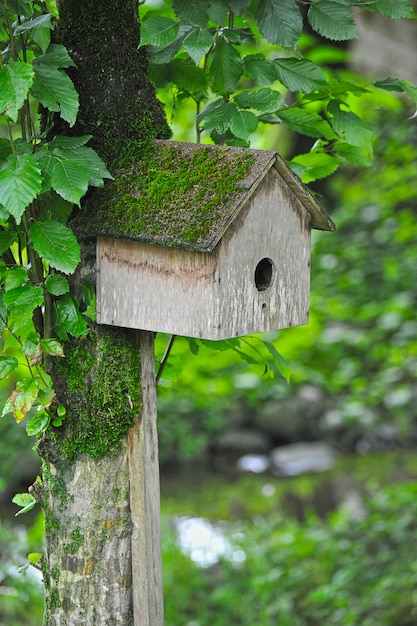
(205, 241)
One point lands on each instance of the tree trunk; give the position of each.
(86, 490)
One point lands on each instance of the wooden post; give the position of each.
(145, 499)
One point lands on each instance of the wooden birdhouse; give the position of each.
(205, 241)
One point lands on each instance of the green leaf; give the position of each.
(263, 99)
(41, 20)
(56, 56)
(350, 127)
(70, 317)
(26, 297)
(46, 396)
(165, 54)
(25, 500)
(16, 78)
(279, 362)
(15, 277)
(158, 31)
(42, 36)
(243, 123)
(8, 364)
(56, 284)
(353, 154)
(38, 423)
(186, 76)
(55, 90)
(316, 165)
(52, 8)
(68, 143)
(191, 11)
(52, 347)
(217, 115)
(392, 8)
(226, 67)
(197, 43)
(260, 69)
(35, 557)
(23, 397)
(91, 311)
(70, 180)
(56, 244)
(333, 19)
(88, 160)
(399, 85)
(306, 122)
(20, 183)
(299, 74)
(280, 22)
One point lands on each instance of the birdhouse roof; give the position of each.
(187, 195)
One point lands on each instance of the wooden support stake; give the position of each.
(145, 498)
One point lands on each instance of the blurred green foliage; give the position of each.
(342, 569)
(360, 347)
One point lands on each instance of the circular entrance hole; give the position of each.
(264, 274)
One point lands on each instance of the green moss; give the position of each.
(179, 194)
(76, 540)
(99, 378)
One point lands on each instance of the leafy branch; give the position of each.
(42, 177)
(242, 63)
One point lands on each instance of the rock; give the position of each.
(289, 419)
(244, 441)
(255, 463)
(302, 458)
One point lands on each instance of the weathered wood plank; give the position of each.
(145, 498)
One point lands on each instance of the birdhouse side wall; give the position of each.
(150, 287)
(263, 272)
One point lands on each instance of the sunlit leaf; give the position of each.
(350, 127)
(15, 278)
(8, 364)
(23, 397)
(25, 500)
(38, 423)
(316, 165)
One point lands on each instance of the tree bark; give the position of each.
(86, 491)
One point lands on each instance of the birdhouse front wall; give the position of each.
(264, 263)
(256, 279)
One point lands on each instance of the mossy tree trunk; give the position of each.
(86, 486)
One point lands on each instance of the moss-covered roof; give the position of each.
(185, 195)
